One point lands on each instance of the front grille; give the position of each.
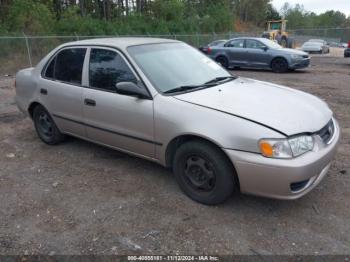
(297, 186)
(327, 132)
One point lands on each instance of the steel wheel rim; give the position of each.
(45, 124)
(199, 173)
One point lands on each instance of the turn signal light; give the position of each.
(266, 149)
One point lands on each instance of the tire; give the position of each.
(222, 61)
(46, 127)
(279, 65)
(204, 173)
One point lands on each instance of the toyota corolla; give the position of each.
(165, 101)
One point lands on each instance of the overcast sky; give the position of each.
(318, 6)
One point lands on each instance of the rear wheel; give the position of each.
(279, 65)
(222, 61)
(46, 127)
(204, 173)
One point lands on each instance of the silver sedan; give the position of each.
(165, 101)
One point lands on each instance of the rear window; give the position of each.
(67, 66)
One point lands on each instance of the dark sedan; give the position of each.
(206, 49)
(258, 53)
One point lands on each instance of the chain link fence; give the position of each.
(18, 52)
(25, 51)
(334, 36)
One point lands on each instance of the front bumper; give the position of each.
(297, 64)
(284, 178)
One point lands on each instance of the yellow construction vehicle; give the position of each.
(276, 31)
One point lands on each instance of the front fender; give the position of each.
(174, 118)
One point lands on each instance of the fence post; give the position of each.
(28, 50)
(76, 36)
(197, 39)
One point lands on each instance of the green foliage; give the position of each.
(298, 17)
(272, 13)
(29, 16)
(130, 17)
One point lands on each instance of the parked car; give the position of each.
(258, 53)
(206, 48)
(165, 101)
(316, 46)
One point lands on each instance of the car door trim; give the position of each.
(109, 130)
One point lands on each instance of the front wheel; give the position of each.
(279, 65)
(46, 127)
(204, 173)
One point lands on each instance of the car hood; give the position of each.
(286, 110)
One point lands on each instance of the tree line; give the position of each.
(105, 17)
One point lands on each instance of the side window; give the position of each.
(107, 68)
(50, 69)
(254, 44)
(69, 65)
(238, 43)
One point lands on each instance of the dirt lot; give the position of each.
(80, 198)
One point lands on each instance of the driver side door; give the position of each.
(121, 121)
(257, 55)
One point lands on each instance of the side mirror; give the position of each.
(265, 48)
(131, 89)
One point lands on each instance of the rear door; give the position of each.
(257, 56)
(236, 52)
(61, 89)
(116, 120)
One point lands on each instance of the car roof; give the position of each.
(313, 43)
(249, 38)
(122, 42)
(316, 40)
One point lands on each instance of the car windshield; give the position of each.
(270, 44)
(172, 65)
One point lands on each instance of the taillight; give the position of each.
(208, 50)
(349, 45)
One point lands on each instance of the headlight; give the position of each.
(294, 56)
(286, 148)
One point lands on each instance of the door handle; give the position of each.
(43, 91)
(89, 102)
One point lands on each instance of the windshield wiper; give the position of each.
(189, 87)
(221, 78)
(214, 82)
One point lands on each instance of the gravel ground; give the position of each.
(80, 198)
